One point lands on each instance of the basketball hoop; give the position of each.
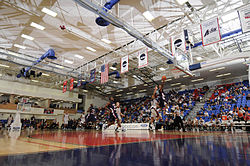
(24, 105)
(182, 61)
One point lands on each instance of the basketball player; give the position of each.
(154, 113)
(66, 120)
(161, 94)
(82, 123)
(111, 107)
(119, 118)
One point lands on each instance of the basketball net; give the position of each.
(21, 106)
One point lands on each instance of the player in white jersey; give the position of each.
(153, 109)
(66, 120)
(119, 116)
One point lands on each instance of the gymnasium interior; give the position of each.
(124, 82)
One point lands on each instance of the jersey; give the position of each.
(66, 118)
(118, 112)
(161, 98)
(154, 103)
(112, 108)
(154, 112)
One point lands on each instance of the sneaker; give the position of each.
(123, 130)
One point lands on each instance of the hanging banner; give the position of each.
(104, 73)
(178, 42)
(92, 75)
(64, 86)
(124, 64)
(244, 15)
(71, 85)
(249, 74)
(210, 32)
(143, 58)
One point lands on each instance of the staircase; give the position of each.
(199, 105)
(197, 108)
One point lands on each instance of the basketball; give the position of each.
(163, 78)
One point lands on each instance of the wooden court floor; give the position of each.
(138, 147)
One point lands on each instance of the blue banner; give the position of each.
(92, 75)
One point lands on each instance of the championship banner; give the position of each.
(92, 75)
(143, 58)
(244, 15)
(210, 32)
(124, 64)
(178, 42)
(64, 86)
(71, 85)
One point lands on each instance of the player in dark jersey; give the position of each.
(111, 107)
(161, 95)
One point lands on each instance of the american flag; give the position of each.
(104, 73)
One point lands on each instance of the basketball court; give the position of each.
(128, 148)
(124, 82)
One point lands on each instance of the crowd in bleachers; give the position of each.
(228, 104)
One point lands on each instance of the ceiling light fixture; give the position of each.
(221, 75)
(185, 76)
(1, 65)
(162, 69)
(220, 68)
(106, 41)
(113, 68)
(59, 66)
(79, 56)
(34, 81)
(35, 25)
(115, 82)
(91, 49)
(68, 61)
(182, 2)
(44, 74)
(169, 79)
(198, 58)
(148, 15)
(176, 84)
(49, 12)
(27, 37)
(200, 79)
(19, 46)
(134, 87)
